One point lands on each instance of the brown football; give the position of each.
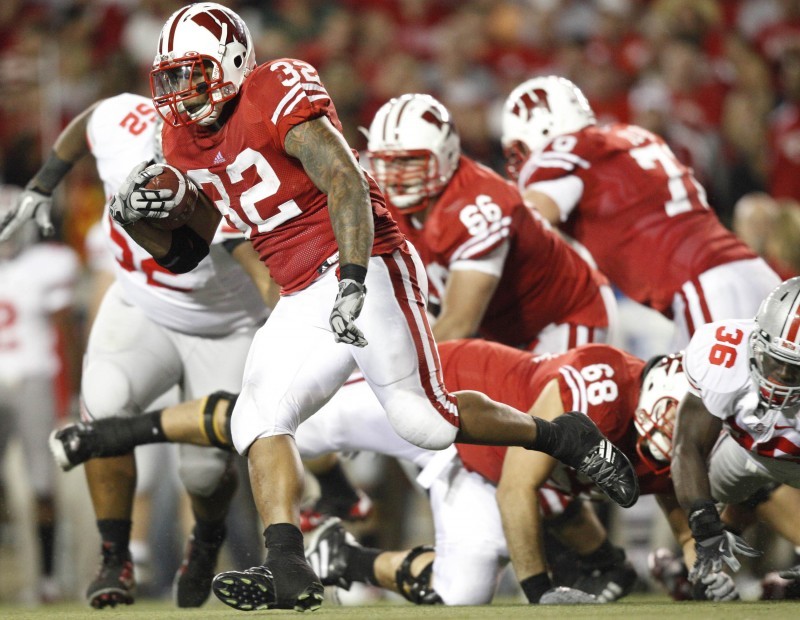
(185, 194)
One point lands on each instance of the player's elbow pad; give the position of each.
(187, 250)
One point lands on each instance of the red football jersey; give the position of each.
(544, 280)
(784, 134)
(261, 189)
(642, 214)
(596, 379)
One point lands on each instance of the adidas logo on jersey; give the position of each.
(218, 158)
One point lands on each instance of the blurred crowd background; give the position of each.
(718, 79)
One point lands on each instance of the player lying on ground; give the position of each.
(620, 411)
(352, 408)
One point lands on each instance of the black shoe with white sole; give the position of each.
(583, 447)
(280, 583)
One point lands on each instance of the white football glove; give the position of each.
(132, 202)
(31, 204)
(713, 551)
(346, 309)
(719, 587)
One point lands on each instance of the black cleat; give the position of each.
(326, 551)
(609, 584)
(114, 584)
(77, 443)
(586, 449)
(192, 583)
(281, 583)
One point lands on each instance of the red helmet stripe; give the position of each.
(397, 117)
(212, 21)
(794, 325)
(172, 28)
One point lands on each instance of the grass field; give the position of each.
(635, 606)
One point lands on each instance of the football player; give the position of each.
(154, 329)
(744, 377)
(619, 192)
(629, 400)
(265, 144)
(495, 269)
(353, 420)
(37, 289)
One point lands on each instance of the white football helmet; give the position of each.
(413, 149)
(204, 54)
(774, 347)
(538, 110)
(664, 385)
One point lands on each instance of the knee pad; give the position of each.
(106, 390)
(217, 428)
(201, 469)
(417, 421)
(416, 588)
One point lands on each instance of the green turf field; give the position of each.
(635, 606)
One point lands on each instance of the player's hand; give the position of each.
(133, 201)
(713, 551)
(790, 573)
(714, 544)
(345, 311)
(717, 587)
(31, 204)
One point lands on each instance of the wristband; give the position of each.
(50, 174)
(351, 271)
(704, 519)
(535, 586)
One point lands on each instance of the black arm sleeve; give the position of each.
(187, 250)
(232, 244)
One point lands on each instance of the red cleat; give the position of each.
(346, 510)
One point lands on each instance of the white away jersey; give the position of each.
(717, 367)
(33, 285)
(214, 299)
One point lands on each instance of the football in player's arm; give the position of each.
(265, 144)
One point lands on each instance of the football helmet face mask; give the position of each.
(535, 112)
(774, 347)
(663, 387)
(413, 149)
(204, 54)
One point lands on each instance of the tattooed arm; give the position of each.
(333, 168)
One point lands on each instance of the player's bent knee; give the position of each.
(417, 588)
(416, 421)
(106, 390)
(201, 469)
(216, 419)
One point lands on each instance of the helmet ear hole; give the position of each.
(237, 61)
